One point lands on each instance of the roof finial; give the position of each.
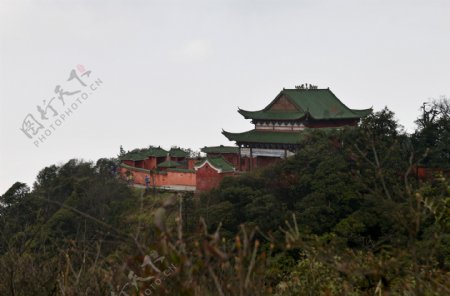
(306, 86)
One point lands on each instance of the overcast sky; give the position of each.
(175, 72)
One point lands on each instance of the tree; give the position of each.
(122, 151)
(15, 193)
(432, 137)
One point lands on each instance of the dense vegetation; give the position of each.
(347, 215)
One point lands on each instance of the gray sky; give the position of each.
(175, 72)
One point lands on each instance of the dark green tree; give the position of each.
(15, 193)
(432, 137)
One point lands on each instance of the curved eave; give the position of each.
(284, 116)
(264, 115)
(228, 135)
(362, 112)
(356, 116)
(254, 136)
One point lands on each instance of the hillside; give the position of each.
(349, 214)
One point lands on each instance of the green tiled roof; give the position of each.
(156, 152)
(141, 154)
(318, 103)
(255, 136)
(218, 163)
(220, 149)
(135, 156)
(134, 168)
(362, 112)
(180, 170)
(177, 152)
(169, 164)
(271, 115)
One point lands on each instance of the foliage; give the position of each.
(432, 137)
(346, 215)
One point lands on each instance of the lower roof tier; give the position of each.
(255, 136)
(272, 137)
(220, 149)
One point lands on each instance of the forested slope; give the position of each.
(347, 215)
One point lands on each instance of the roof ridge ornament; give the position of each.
(306, 86)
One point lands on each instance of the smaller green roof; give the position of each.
(169, 164)
(156, 152)
(134, 168)
(220, 149)
(134, 156)
(177, 152)
(218, 163)
(179, 170)
(141, 154)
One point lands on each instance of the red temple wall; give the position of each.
(245, 164)
(176, 178)
(165, 179)
(150, 163)
(191, 163)
(139, 164)
(208, 178)
(128, 162)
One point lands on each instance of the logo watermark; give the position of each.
(54, 112)
(152, 282)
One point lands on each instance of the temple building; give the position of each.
(157, 158)
(279, 130)
(279, 127)
(229, 153)
(172, 169)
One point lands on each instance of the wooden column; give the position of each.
(239, 160)
(251, 158)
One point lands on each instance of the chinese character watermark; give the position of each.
(53, 112)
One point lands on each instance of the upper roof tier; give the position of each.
(296, 104)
